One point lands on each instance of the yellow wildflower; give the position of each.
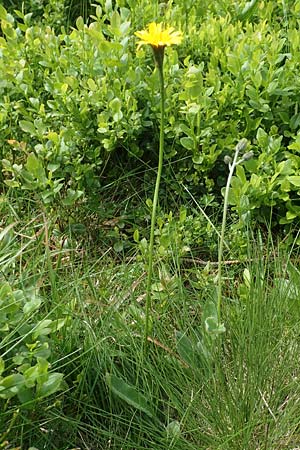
(158, 37)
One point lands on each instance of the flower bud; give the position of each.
(241, 145)
(248, 155)
(227, 159)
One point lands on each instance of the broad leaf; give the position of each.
(128, 393)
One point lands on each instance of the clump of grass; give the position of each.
(190, 392)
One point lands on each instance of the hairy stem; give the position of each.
(221, 241)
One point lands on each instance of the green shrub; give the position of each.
(71, 100)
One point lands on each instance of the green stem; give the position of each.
(159, 60)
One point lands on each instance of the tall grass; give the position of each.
(237, 391)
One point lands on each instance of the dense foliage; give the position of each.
(70, 99)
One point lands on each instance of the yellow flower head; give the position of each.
(157, 37)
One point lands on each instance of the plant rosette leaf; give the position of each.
(129, 394)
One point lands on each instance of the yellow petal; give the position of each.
(156, 36)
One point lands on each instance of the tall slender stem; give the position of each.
(159, 60)
(240, 146)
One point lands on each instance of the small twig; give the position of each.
(267, 406)
(83, 441)
(167, 349)
(229, 262)
(117, 302)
